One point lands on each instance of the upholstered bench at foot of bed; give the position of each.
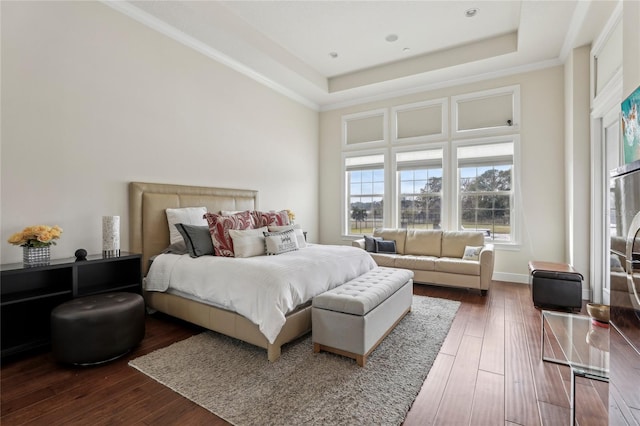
(351, 320)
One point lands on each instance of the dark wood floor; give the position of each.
(488, 372)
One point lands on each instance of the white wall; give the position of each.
(542, 174)
(577, 163)
(630, 46)
(92, 100)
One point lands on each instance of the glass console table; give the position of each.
(585, 347)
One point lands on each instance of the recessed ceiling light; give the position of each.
(406, 49)
(470, 13)
(333, 54)
(391, 38)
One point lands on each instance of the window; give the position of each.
(419, 178)
(485, 189)
(489, 112)
(365, 193)
(435, 170)
(367, 128)
(420, 122)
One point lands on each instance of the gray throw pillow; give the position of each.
(177, 248)
(197, 238)
(370, 243)
(385, 246)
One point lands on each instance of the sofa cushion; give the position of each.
(386, 246)
(472, 253)
(398, 235)
(457, 266)
(418, 263)
(423, 242)
(382, 259)
(370, 243)
(453, 243)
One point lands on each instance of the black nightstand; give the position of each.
(28, 294)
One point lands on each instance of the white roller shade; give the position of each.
(485, 155)
(429, 159)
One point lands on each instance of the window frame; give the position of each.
(344, 225)
(443, 103)
(346, 119)
(395, 211)
(448, 141)
(514, 91)
(516, 196)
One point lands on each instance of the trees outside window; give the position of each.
(420, 204)
(365, 198)
(419, 177)
(485, 190)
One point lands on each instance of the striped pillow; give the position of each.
(280, 242)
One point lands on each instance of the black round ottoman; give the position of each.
(96, 329)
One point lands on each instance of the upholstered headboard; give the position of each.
(148, 227)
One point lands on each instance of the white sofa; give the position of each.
(436, 257)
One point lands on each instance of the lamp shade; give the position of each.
(111, 235)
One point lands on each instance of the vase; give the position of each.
(34, 256)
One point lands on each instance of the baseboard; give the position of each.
(512, 278)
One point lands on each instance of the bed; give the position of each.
(149, 235)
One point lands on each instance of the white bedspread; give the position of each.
(263, 288)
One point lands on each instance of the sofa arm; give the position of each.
(358, 243)
(486, 266)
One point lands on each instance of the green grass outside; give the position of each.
(497, 229)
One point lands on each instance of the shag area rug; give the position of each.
(234, 380)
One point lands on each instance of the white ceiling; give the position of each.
(287, 44)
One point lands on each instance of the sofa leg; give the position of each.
(483, 292)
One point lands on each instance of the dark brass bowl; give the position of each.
(598, 312)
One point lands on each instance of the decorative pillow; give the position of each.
(197, 239)
(385, 246)
(248, 242)
(471, 253)
(280, 242)
(297, 229)
(186, 215)
(370, 243)
(179, 248)
(219, 227)
(280, 218)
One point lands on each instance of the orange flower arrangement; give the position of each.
(36, 236)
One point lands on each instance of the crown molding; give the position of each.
(170, 31)
(608, 28)
(179, 36)
(577, 20)
(444, 84)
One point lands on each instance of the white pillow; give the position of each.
(186, 215)
(472, 253)
(248, 242)
(296, 228)
(280, 242)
